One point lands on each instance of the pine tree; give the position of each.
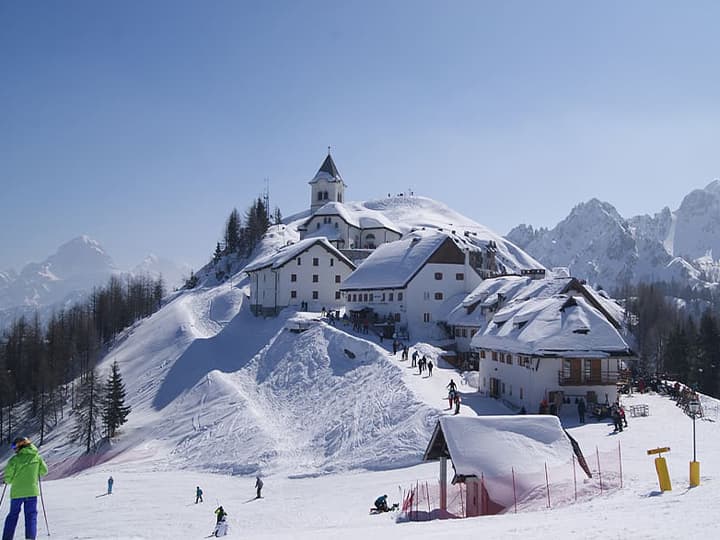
(708, 345)
(218, 253)
(115, 412)
(257, 223)
(232, 232)
(88, 411)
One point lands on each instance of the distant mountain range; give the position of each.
(595, 242)
(599, 245)
(67, 276)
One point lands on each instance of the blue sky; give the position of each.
(143, 123)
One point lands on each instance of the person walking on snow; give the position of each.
(451, 398)
(581, 410)
(430, 366)
(414, 359)
(457, 403)
(451, 386)
(258, 486)
(23, 473)
(110, 485)
(198, 495)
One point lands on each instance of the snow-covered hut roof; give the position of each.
(393, 265)
(327, 171)
(287, 253)
(552, 326)
(492, 446)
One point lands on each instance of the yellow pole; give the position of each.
(661, 468)
(663, 475)
(694, 473)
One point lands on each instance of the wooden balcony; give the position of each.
(588, 379)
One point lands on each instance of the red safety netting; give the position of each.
(546, 487)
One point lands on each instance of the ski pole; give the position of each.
(2, 498)
(42, 503)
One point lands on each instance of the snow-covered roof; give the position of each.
(548, 326)
(393, 265)
(492, 446)
(327, 171)
(362, 218)
(289, 252)
(501, 291)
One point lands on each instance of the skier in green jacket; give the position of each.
(23, 473)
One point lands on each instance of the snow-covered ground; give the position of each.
(331, 420)
(151, 503)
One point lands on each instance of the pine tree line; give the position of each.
(241, 236)
(52, 367)
(673, 341)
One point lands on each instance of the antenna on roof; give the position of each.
(266, 197)
(328, 150)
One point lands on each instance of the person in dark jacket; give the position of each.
(381, 503)
(198, 495)
(23, 473)
(581, 410)
(220, 513)
(258, 486)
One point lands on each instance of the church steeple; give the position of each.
(327, 185)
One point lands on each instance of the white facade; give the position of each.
(427, 296)
(308, 275)
(344, 234)
(525, 381)
(412, 291)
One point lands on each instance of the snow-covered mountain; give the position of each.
(63, 278)
(599, 245)
(414, 212)
(67, 276)
(155, 266)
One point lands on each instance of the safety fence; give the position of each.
(543, 488)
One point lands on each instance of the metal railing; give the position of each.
(588, 379)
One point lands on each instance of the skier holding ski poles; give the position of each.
(23, 473)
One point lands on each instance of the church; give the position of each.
(352, 229)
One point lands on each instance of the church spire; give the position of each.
(328, 170)
(327, 185)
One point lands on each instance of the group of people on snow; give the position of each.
(221, 526)
(453, 396)
(22, 473)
